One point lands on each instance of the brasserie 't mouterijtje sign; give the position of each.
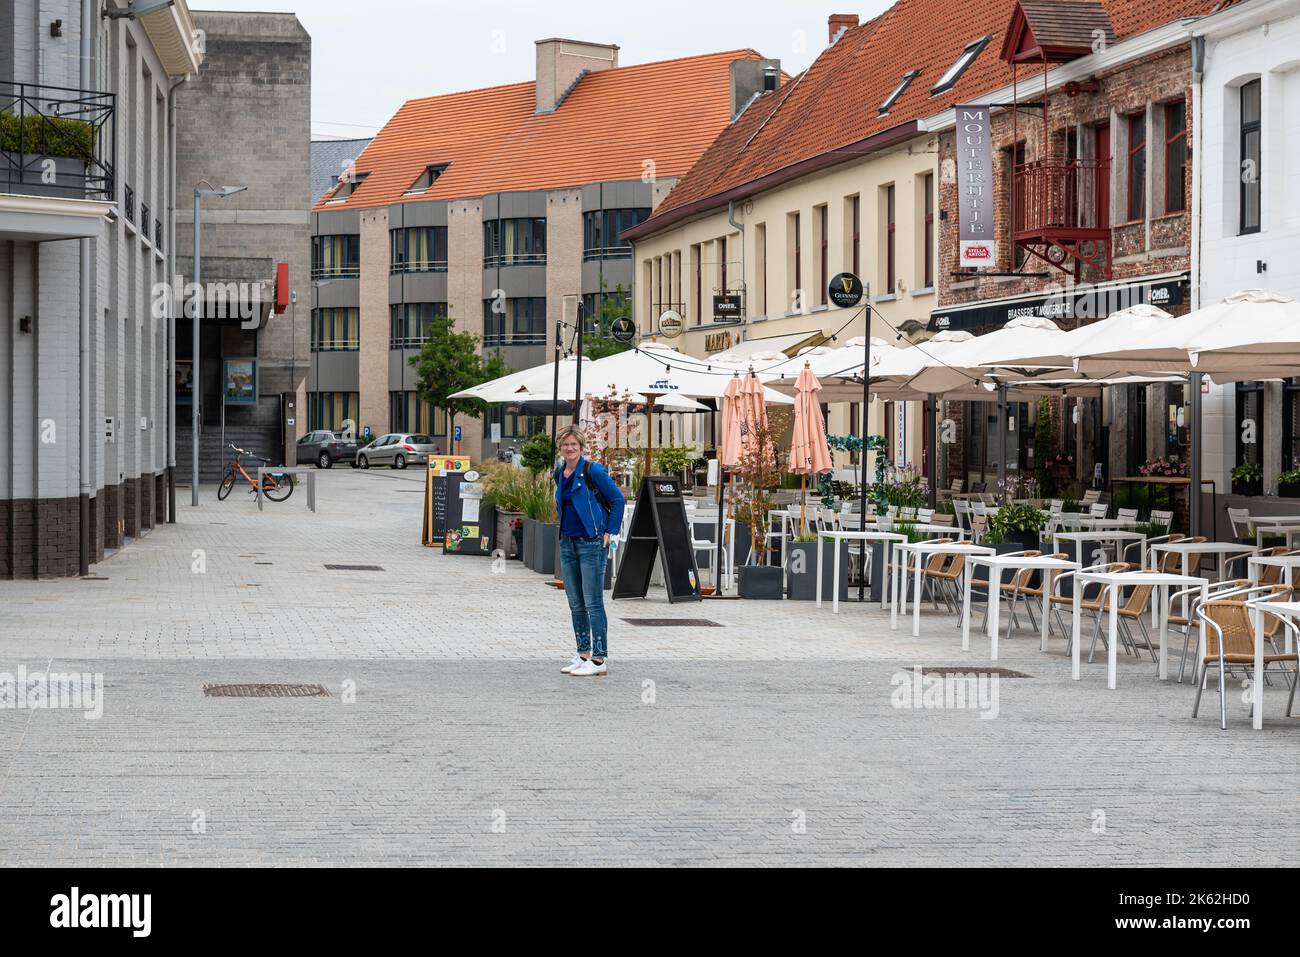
(976, 244)
(727, 308)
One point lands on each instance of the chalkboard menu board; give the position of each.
(435, 507)
(659, 528)
(469, 524)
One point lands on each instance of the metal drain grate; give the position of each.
(672, 622)
(265, 691)
(968, 670)
(355, 568)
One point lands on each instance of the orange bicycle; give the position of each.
(275, 487)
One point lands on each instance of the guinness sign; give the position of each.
(845, 290)
(623, 329)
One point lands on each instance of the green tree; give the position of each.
(600, 341)
(449, 362)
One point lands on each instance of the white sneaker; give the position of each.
(590, 669)
(568, 669)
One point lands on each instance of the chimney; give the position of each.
(561, 62)
(749, 77)
(839, 22)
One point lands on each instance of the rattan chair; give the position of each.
(1230, 643)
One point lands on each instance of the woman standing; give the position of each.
(590, 508)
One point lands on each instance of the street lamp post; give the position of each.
(196, 393)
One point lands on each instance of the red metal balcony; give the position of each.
(1061, 213)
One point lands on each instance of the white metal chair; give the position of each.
(1162, 519)
(961, 508)
(1127, 514)
(1240, 519)
(1098, 509)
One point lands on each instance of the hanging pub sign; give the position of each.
(975, 187)
(658, 529)
(727, 308)
(671, 324)
(845, 290)
(622, 329)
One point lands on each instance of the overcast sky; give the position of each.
(369, 56)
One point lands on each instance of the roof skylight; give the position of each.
(903, 84)
(968, 55)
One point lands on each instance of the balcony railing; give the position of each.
(158, 234)
(128, 204)
(56, 141)
(335, 272)
(607, 252)
(407, 342)
(515, 339)
(514, 259)
(336, 345)
(433, 265)
(1060, 196)
(145, 219)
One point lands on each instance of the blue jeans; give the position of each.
(582, 563)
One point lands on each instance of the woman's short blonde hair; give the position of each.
(572, 430)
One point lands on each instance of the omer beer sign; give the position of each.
(975, 187)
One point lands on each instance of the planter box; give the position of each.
(805, 564)
(1288, 489)
(529, 550)
(1248, 488)
(761, 582)
(69, 176)
(546, 551)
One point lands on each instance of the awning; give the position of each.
(1069, 304)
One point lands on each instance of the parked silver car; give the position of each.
(325, 448)
(397, 449)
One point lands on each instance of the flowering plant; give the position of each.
(1164, 468)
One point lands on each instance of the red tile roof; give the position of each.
(608, 126)
(826, 112)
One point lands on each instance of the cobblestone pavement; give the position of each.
(450, 737)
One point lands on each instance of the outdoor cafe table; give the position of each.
(919, 549)
(997, 564)
(1114, 581)
(1084, 520)
(854, 535)
(1100, 535)
(1276, 531)
(1256, 564)
(1188, 549)
(1290, 609)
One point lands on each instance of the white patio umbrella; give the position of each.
(1251, 334)
(656, 370)
(970, 361)
(537, 382)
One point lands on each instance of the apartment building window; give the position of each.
(890, 246)
(927, 231)
(1012, 159)
(407, 412)
(595, 305)
(418, 249)
(514, 242)
(336, 257)
(823, 255)
(331, 410)
(1250, 408)
(1175, 157)
(760, 267)
(1137, 165)
(722, 265)
(856, 218)
(1250, 172)
(602, 231)
(697, 285)
(796, 274)
(514, 425)
(336, 330)
(411, 323)
(522, 323)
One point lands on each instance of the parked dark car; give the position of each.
(325, 448)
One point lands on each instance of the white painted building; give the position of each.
(1246, 233)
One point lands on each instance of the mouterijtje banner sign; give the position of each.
(975, 187)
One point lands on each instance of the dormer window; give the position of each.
(348, 184)
(968, 55)
(427, 178)
(898, 91)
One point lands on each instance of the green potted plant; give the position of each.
(506, 487)
(1288, 483)
(1018, 524)
(1248, 479)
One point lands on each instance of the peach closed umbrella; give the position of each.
(753, 427)
(809, 454)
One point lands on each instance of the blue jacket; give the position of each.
(585, 502)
